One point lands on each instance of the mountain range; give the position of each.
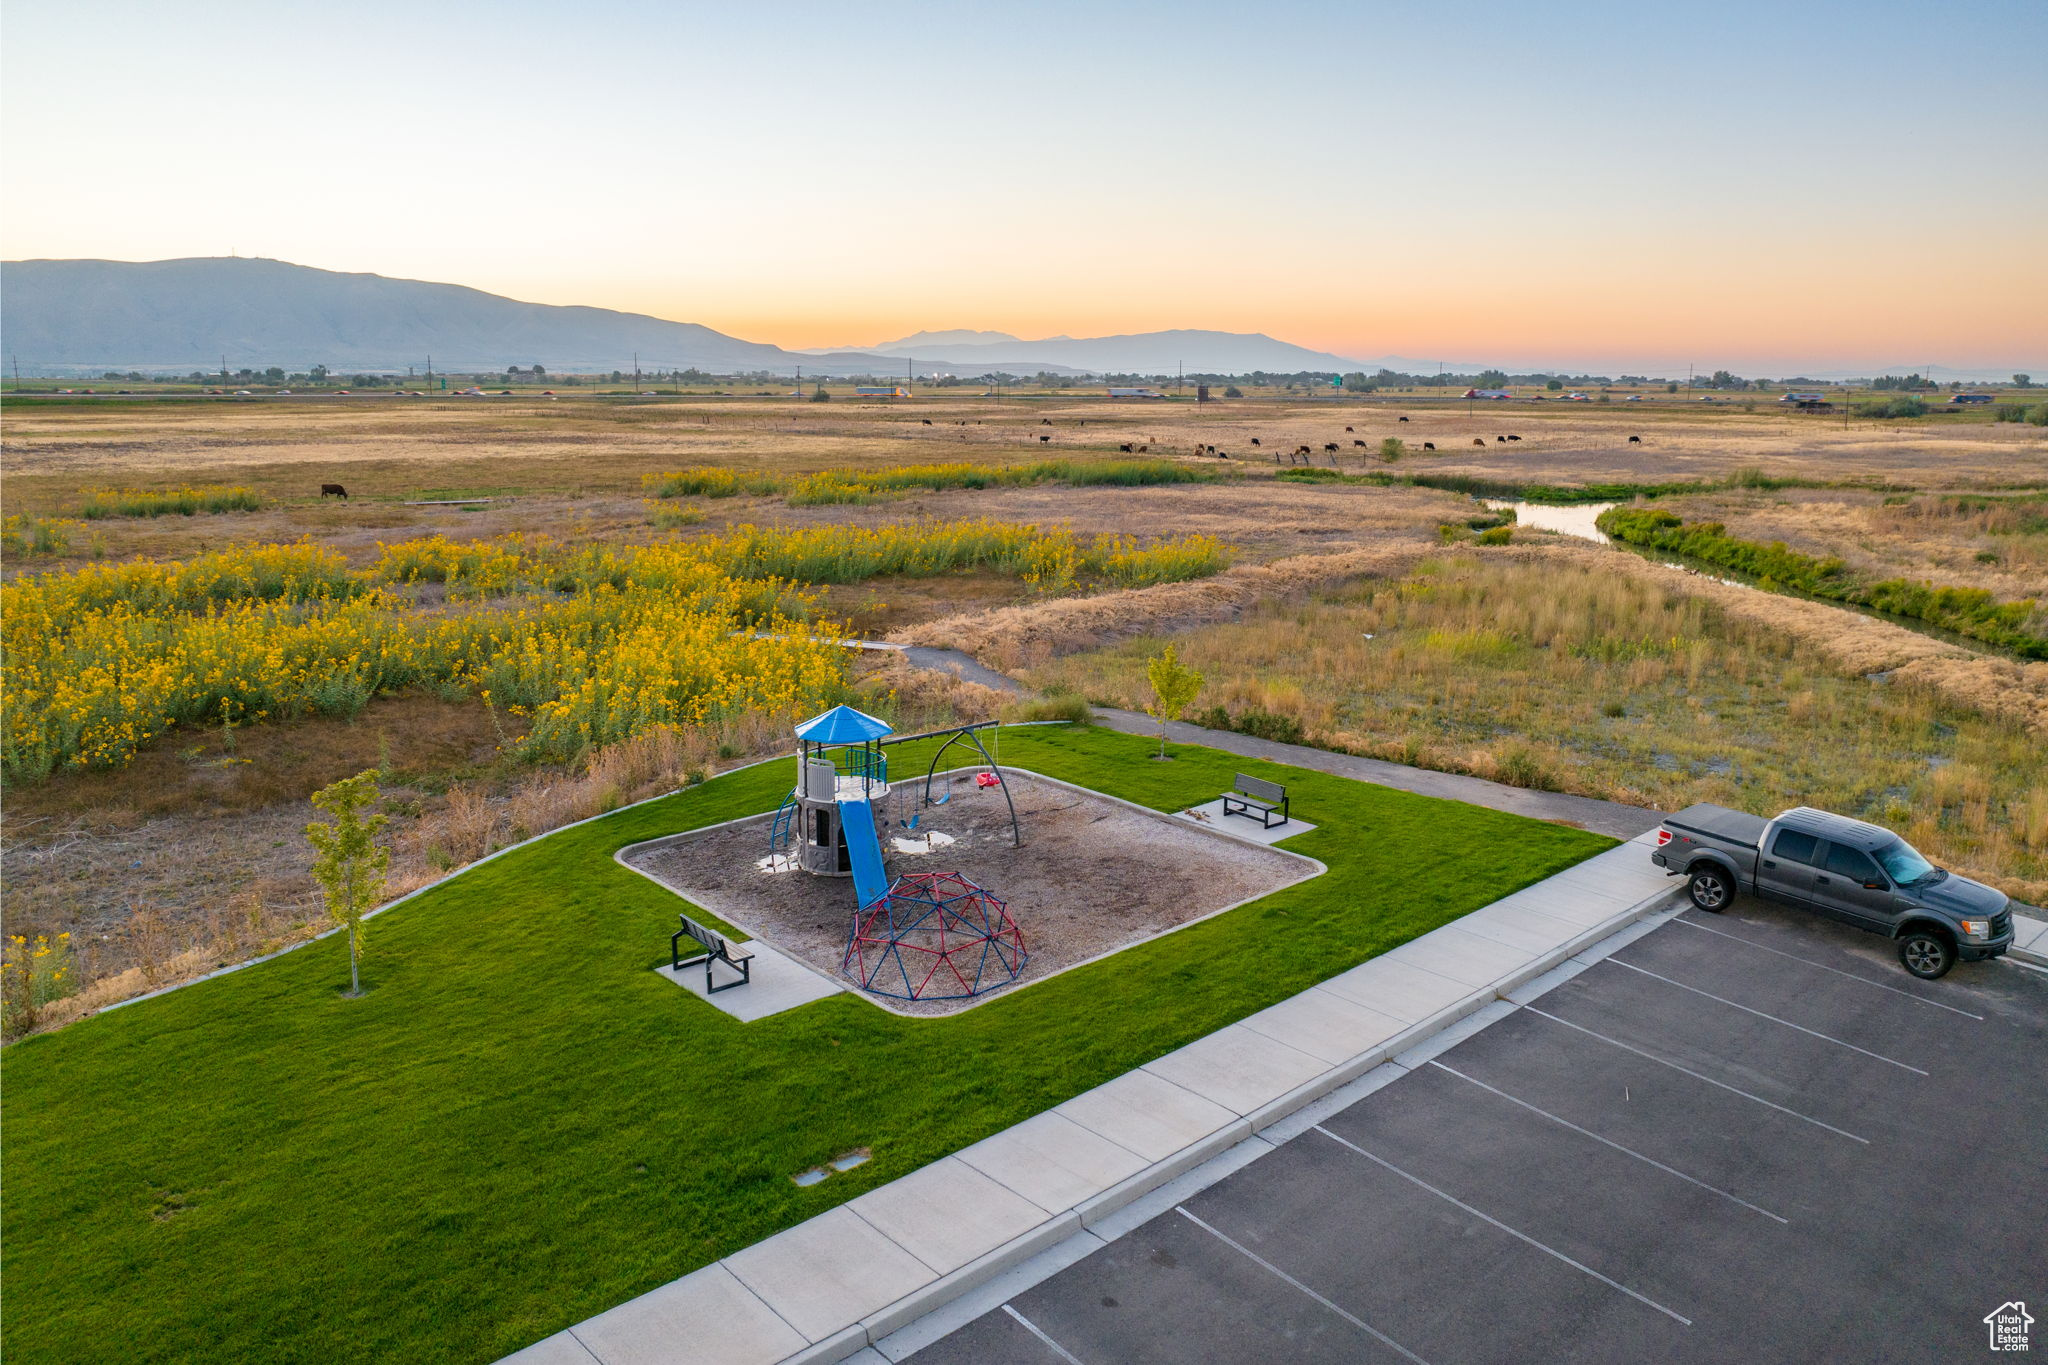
(197, 313)
(177, 316)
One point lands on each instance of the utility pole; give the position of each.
(223, 371)
(636, 371)
(1179, 373)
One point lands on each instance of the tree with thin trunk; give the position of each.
(351, 863)
(1174, 686)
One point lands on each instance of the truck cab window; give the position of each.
(1800, 848)
(1852, 863)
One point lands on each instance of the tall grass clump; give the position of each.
(33, 537)
(99, 503)
(854, 486)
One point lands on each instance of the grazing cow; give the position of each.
(1479, 441)
(1514, 438)
(1429, 445)
(1043, 439)
(1347, 428)
(1358, 443)
(926, 420)
(1329, 447)
(1222, 454)
(1045, 421)
(1255, 440)
(1210, 449)
(333, 490)
(1403, 419)
(1125, 447)
(1498, 440)
(1143, 449)
(1635, 440)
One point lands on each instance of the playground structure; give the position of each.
(924, 936)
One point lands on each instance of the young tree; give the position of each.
(351, 863)
(1174, 686)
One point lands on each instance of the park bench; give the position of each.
(1257, 799)
(716, 950)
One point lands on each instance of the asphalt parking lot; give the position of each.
(1747, 1136)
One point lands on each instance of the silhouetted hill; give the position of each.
(186, 314)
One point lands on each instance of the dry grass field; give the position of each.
(193, 854)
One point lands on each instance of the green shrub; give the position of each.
(1392, 449)
(1499, 535)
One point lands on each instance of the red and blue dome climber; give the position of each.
(934, 936)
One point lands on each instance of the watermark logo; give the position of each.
(2008, 1324)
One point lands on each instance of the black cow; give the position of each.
(1403, 419)
(333, 490)
(1045, 421)
(1514, 438)
(1347, 428)
(1635, 440)
(1429, 445)
(1498, 440)
(1255, 440)
(1125, 447)
(926, 420)
(1329, 447)
(1043, 439)
(1358, 443)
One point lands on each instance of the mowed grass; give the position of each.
(521, 1124)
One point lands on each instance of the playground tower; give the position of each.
(839, 758)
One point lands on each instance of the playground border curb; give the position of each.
(1317, 866)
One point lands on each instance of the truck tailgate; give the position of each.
(1719, 822)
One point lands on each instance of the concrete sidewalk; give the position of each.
(2029, 936)
(829, 1287)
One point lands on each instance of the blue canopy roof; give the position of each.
(842, 725)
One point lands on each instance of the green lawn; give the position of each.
(521, 1124)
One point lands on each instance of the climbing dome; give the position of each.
(935, 936)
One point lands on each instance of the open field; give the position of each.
(101, 853)
(510, 1130)
(1543, 670)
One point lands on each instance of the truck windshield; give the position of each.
(1904, 863)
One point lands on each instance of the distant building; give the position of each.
(881, 391)
(1136, 393)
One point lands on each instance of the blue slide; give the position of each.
(864, 850)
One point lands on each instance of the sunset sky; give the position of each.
(1768, 187)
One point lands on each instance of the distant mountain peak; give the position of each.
(956, 336)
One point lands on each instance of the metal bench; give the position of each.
(716, 948)
(1257, 799)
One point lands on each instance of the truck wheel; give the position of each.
(1710, 890)
(1926, 954)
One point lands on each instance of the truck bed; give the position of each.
(1719, 822)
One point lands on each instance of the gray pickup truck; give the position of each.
(1845, 869)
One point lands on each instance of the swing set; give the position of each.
(992, 776)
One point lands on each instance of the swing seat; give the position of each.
(986, 779)
(941, 799)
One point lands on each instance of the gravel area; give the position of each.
(1093, 876)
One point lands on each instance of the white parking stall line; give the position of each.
(1822, 966)
(1495, 1222)
(1360, 1323)
(1811, 1033)
(1626, 1151)
(1062, 1352)
(1664, 1061)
